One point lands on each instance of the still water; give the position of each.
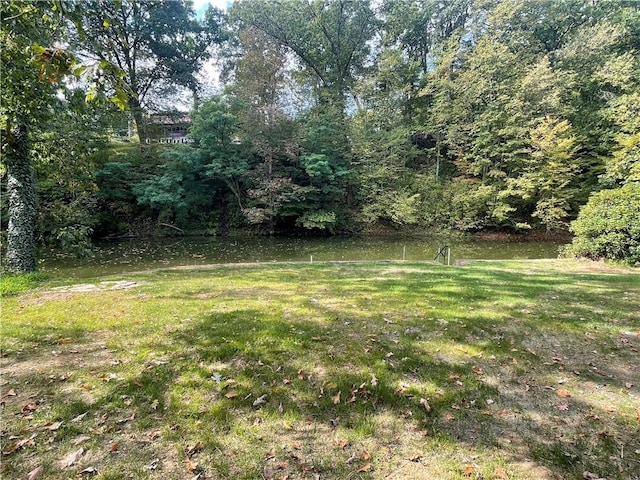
(124, 256)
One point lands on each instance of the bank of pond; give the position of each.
(128, 255)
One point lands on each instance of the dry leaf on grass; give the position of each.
(501, 474)
(425, 404)
(72, 458)
(26, 442)
(53, 426)
(468, 471)
(35, 473)
(260, 400)
(10, 393)
(365, 468)
(336, 398)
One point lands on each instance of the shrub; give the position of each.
(608, 226)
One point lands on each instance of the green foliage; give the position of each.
(608, 226)
(467, 114)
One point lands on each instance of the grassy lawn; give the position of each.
(496, 370)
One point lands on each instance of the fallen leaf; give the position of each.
(191, 466)
(35, 473)
(366, 455)
(29, 407)
(365, 468)
(336, 398)
(343, 444)
(374, 380)
(72, 458)
(425, 403)
(468, 471)
(193, 449)
(287, 380)
(477, 370)
(80, 439)
(500, 473)
(563, 393)
(27, 442)
(79, 417)
(563, 407)
(10, 393)
(114, 447)
(628, 385)
(231, 394)
(260, 400)
(352, 458)
(591, 476)
(53, 426)
(89, 471)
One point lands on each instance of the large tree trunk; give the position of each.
(21, 245)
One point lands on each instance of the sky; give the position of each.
(200, 5)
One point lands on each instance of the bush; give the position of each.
(608, 226)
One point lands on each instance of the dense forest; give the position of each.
(335, 117)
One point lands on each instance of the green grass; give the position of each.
(12, 283)
(520, 370)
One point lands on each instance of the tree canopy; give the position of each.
(335, 116)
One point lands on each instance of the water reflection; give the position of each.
(140, 254)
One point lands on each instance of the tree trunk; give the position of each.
(21, 245)
(138, 117)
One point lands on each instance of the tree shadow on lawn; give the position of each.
(532, 421)
(380, 371)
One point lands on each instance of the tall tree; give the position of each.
(328, 37)
(156, 45)
(261, 82)
(31, 67)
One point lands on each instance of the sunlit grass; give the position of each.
(336, 370)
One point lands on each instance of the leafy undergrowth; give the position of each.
(497, 370)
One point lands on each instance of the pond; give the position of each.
(118, 257)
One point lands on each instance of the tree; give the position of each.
(608, 226)
(31, 68)
(225, 157)
(261, 81)
(328, 38)
(156, 45)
